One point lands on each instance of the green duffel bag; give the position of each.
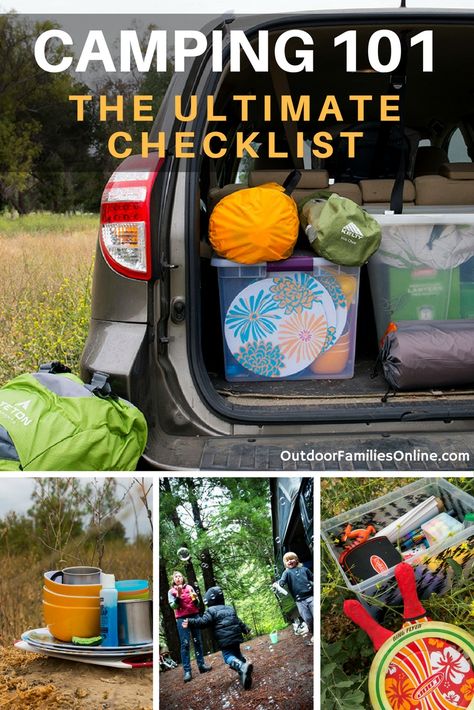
(338, 229)
(52, 421)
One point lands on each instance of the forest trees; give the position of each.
(48, 159)
(42, 148)
(218, 532)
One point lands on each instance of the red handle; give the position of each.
(405, 576)
(134, 663)
(143, 664)
(360, 616)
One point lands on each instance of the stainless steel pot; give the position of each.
(135, 621)
(78, 575)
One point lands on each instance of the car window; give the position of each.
(246, 166)
(457, 149)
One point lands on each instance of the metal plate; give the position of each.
(125, 662)
(42, 639)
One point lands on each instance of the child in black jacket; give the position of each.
(299, 581)
(228, 630)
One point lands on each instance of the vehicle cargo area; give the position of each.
(424, 269)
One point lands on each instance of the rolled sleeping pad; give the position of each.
(429, 354)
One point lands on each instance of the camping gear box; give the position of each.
(413, 294)
(434, 569)
(293, 319)
(421, 271)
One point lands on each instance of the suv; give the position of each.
(156, 327)
(292, 502)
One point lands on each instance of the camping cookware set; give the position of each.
(71, 610)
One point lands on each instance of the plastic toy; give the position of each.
(426, 665)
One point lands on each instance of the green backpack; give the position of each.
(338, 229)
(52, 421)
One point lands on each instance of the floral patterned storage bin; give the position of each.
(292, 319)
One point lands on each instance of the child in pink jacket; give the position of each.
(184, 600)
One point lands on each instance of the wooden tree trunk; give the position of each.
(209, 644)
(206, 561)
(255, 624)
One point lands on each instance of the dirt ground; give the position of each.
(32, 682)
(282, 679)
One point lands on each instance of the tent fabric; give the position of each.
(429, 354)
(254, 225)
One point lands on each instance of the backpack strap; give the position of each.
(291, 181)
(54, 368)
(100, 386)
(398, 82)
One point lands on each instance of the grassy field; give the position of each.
(45, 281)
(346, 654)
(47, 223)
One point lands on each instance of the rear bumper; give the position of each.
(179, 441)
(337, 452)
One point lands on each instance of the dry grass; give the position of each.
(45, 280)
(21, 581)
(34, 263)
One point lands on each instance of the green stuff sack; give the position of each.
(338, 229)
(52, 421)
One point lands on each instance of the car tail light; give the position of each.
(125, 237)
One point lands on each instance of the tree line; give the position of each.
(48, 159)
(66, 512)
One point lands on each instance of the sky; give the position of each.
(214, 6)
(15, 495)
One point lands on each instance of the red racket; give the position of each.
(427, 665)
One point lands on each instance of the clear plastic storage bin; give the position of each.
(437, 569)
(294, 319)
(424, 268)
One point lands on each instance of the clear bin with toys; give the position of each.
(378, 535)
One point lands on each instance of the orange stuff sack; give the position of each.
(255, 224)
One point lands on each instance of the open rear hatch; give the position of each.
(428, 122)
